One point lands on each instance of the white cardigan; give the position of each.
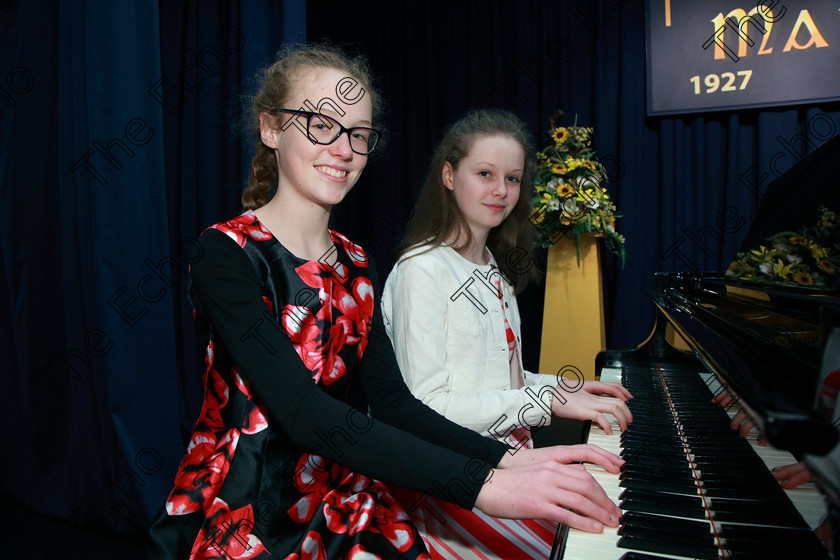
(444, 319)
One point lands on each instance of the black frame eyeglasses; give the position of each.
(363, 140)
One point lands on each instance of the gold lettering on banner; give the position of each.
(762, 17)
(763, 22)
(816, 38)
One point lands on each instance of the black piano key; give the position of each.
(640, 556)
(756, 512)
(653, 485)
(680, 446)
(681, 547)
(771, 542)
(662, 503)
(632, 468)
(646, 523)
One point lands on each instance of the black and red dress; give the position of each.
(302, 396)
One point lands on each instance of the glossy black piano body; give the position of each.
(764, 345)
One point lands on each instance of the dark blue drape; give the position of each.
(687, 186)
(116, 150)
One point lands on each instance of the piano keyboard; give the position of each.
(665, 518)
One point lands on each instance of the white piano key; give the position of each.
(589, 546)
(807, 498)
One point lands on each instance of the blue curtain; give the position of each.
(116, 150)
(688, 186)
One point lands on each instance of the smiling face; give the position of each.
(486, 182)
(316, 173)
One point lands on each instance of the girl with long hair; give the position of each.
(450, 310)
(306, 419)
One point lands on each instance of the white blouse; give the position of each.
(443, 316)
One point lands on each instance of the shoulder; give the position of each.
(428, 257)
(357, 255)
(228, 247)
(241, 228)
(429, 268)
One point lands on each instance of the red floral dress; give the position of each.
(245, 489)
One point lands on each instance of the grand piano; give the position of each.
(693, 488)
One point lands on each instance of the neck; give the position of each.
(300, 228)
(474, 252)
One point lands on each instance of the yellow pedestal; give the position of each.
(573, 322)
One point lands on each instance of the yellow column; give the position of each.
(573, 329)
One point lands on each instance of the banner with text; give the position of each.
(720, 55)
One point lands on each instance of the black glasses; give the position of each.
(322, 129)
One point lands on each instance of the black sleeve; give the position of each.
(391, 400)
(227, 290)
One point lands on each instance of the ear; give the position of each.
(268, 133)
(446, 176)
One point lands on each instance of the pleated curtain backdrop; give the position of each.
(688, 186)
(117, 148)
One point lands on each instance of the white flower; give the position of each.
(793, 259)
(610, 228)
(553, 204)
(553, 184)
(587, 182)
(782, 247)
(767, 269)
(591, 203)
(571, 207)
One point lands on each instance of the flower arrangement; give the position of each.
(809, 258)
(568, 196)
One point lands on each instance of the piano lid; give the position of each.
(765, 343)
(791, 201)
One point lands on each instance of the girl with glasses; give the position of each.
(306, 419)
(450, 310)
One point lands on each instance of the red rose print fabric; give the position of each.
(243, 489)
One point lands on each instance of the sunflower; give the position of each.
(825, 266)
(816, 251)
(803, 278)
(560, 134)
(559, 169)
(565, 190)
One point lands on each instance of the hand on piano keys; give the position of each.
(795, 478)
(791, 476)
(741, 421)
(549, 490)
(737, 510)
(593, 401)
(564, 455)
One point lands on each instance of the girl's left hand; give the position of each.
(587, 404)
(563, 454)
(617, 390)
(791, 476)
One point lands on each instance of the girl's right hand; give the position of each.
(548, 490)
(588, 403)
